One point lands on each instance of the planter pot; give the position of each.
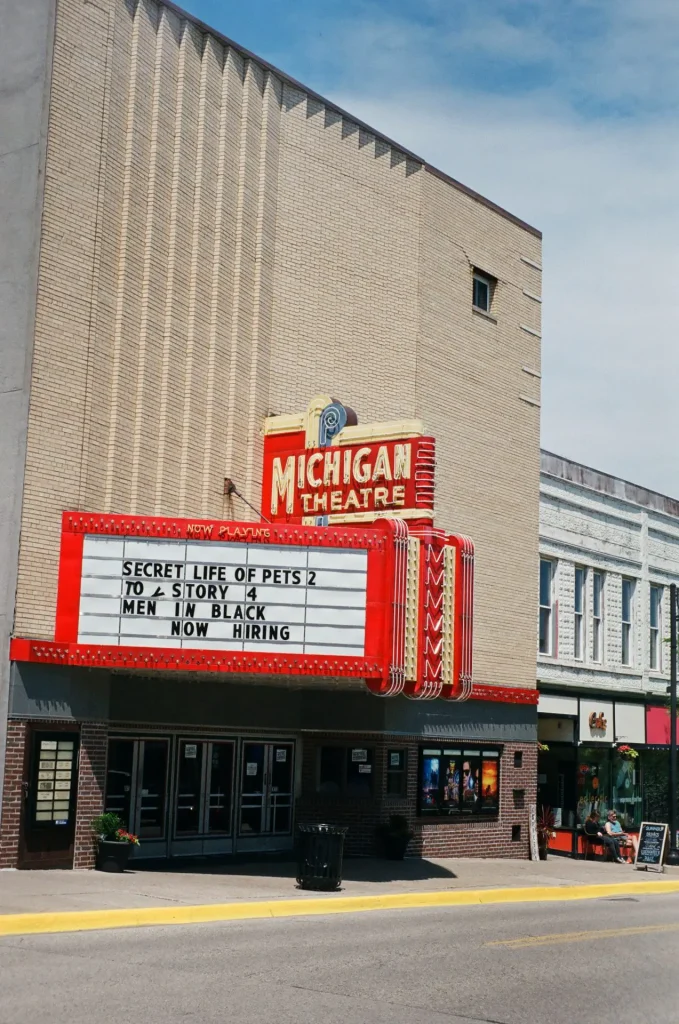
(542, 850)
(112, 856)
(395, 846)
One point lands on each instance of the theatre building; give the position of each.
(270, 464)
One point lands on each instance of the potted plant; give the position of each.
(395, 835)
(114, 843)
(545, 823)
(542, 748)
(627, 753)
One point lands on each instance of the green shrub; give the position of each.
(107, 825)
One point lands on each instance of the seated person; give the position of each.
(593, 830)
(614, 830)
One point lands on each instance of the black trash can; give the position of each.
(319, 860)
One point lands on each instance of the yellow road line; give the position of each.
(559, 937)
(88, 920)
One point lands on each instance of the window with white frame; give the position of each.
(627, 610)
(546, 636)
(655, 621)
(482, 291)
(579, 613)
(597, 616)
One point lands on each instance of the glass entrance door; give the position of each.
(186, 796)
(203, 797)
(266, 796)
(136, 790)
(190, 789)
(153, 757)
(120, 772)
(252, 799)
(281, 789)
(219, 774)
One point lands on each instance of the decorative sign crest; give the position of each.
(322, 468)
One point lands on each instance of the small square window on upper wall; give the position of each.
(482, 291)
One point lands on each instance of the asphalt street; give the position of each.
(604, 961)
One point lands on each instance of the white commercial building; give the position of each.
(609, 550)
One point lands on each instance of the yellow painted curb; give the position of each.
(89, 920)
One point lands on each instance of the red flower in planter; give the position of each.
(127, 837)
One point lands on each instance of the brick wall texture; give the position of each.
(91, 788)
(218, 245)
(491, 838)
(12, 795)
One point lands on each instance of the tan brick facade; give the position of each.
(218, 245)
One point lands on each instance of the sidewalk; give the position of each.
(206, 883)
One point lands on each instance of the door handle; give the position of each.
(24, 786)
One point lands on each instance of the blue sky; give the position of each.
(565, 112)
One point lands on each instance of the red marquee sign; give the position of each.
(146, 592)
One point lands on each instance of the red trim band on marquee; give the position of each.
(384, 644)
(167, 659)
(49, 652)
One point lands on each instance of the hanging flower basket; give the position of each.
(627, 753)
(543, 748)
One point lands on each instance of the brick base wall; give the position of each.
(13, 796)
(90, 798)
(91, 787)
(361, 816)
(464, 838)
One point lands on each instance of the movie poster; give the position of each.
(470, 784)
(430, 781)
(451, 792)
(490, 783)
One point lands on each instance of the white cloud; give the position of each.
(590, 53)
(574, 130)
(604, 197)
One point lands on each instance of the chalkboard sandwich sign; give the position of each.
(652, 843)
